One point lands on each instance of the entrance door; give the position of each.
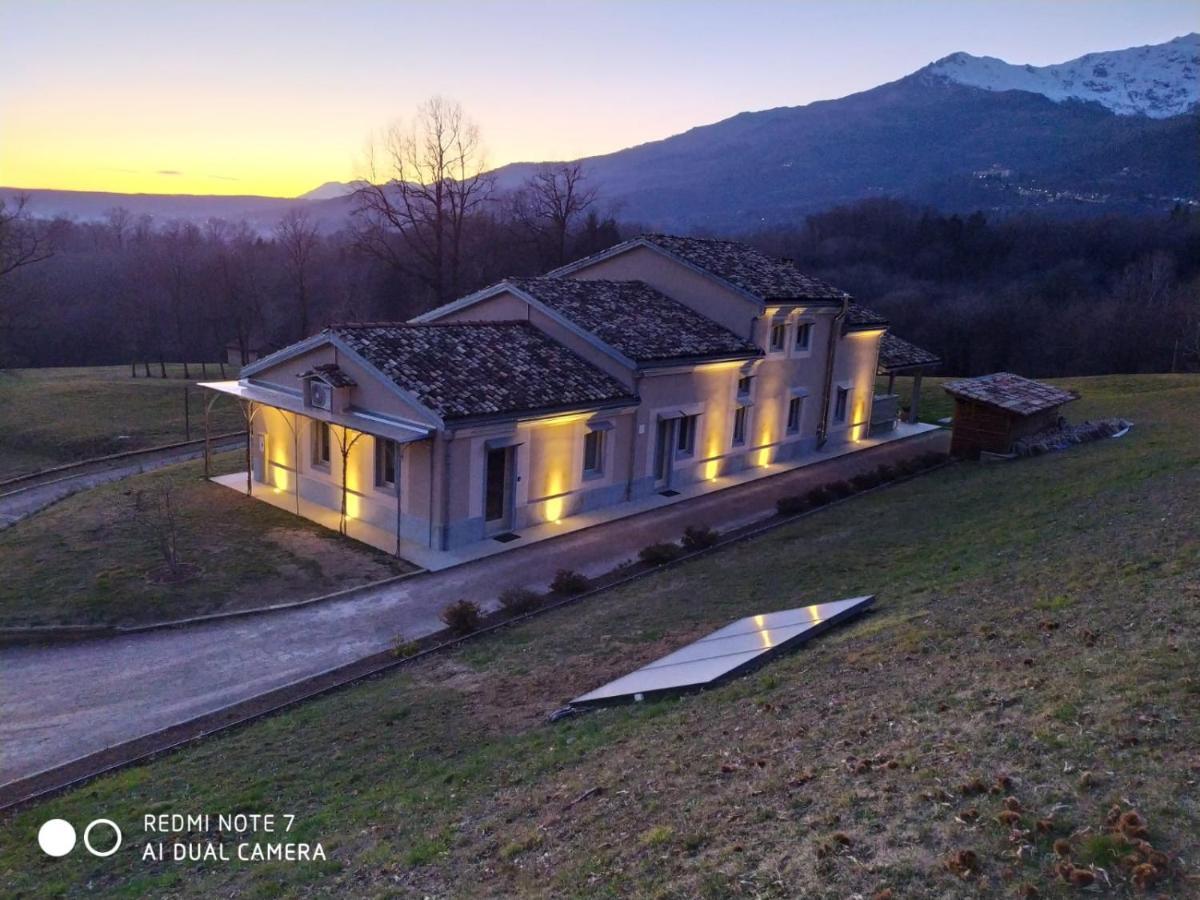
(664, 450)
(497, 490)
(258, 458)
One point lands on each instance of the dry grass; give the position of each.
(89, 560)
(54, 416)
(1036, 621)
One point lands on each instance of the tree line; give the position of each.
(426, 225)
(1039, 296)
(1034, 295)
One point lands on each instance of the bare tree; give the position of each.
(548, 204)
(154, 515)
(119, 223)
(22, 242)
(421, 185)
(297, 236)
(238, 279)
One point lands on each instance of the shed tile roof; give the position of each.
(897, 353)
(481, 368)
(1010, 392)
(636, 320)
(766, 277)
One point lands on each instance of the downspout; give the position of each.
(835, 331)
(445, 541)
(401, 468)
(432, 482)
(633, 438)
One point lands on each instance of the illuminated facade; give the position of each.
(657, 364)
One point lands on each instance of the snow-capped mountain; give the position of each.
(1156, 81)
(962, 134)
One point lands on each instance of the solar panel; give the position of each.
(730, 651)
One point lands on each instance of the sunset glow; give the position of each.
(274, 99)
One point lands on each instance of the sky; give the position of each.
(274, 97)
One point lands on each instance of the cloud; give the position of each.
(168, 172)
(224, 177)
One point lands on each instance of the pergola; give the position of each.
(898, 357)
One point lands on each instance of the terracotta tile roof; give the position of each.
(897, 353)
(859, 317)
(331, 373)
(636, 320)
(481, 368)
(1010, 392)
(753, 271)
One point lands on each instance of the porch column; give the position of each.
(249, 438)
(891, 383)
(915, 404)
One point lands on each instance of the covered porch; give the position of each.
(897, 357)
(326, 465)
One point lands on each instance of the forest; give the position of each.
(1039, 295)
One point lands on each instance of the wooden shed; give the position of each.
(992, 412)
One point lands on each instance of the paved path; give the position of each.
(58, 703)
(24, 498)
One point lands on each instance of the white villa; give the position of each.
(659, 364)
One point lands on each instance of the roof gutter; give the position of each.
(543, 412)
(835, 331)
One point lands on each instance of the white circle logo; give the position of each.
(56, 837)
(87, 838)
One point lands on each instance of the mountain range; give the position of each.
(1110, 131)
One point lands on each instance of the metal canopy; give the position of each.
(355, 419)
(727, 652)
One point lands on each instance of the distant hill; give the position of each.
(261, 213)
(1114, 131)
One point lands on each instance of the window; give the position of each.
(839, 408)
(778, 336)
(685, 438)
(745, 383)
(385, 463)
(739, 425)
(593, 453)
(804, 335)
(320, 444)
(793, 417)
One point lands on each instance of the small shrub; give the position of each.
(657, 554)
(462, 617)
(841, 489)
(700, 537)
(569, 582)
(886, 473)
(790, 505)
(657, 836)
(520, 600)
(907, 467)
(403, 648)
(819, 496)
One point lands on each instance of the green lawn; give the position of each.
(1036, 621)
(94, 558)
(54, 416)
